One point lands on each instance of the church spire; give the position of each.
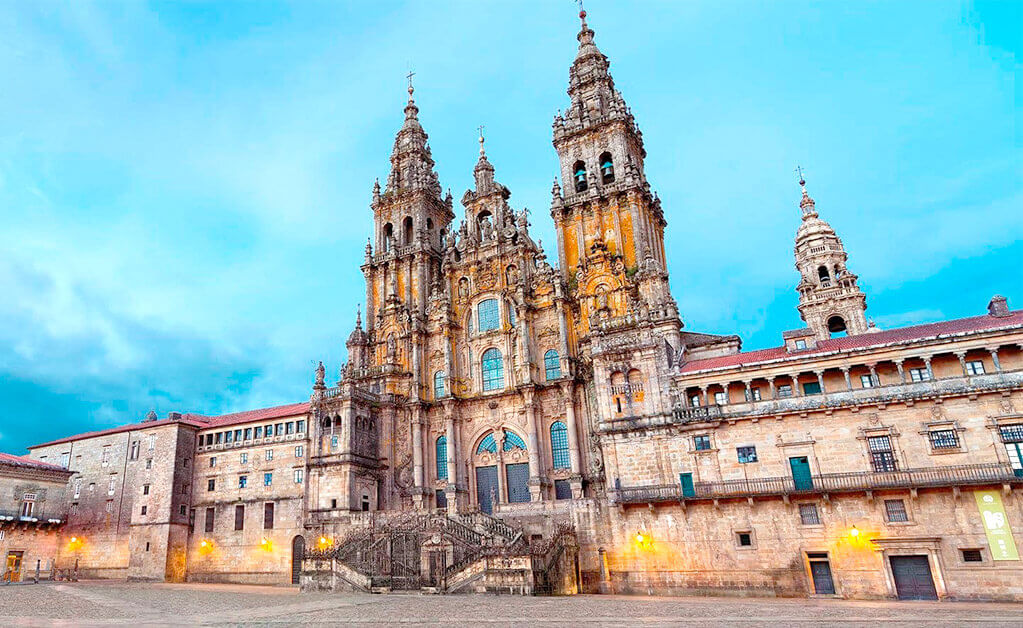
(830, 299)
(411, 160)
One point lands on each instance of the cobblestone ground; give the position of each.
(116, 604)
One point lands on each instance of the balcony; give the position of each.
(964, 475)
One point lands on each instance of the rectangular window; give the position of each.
(268, 516)
(213, 461)
(975, 367)
(145, 489)
(65, 459)
(239, 517)
(919, 375)
(248, 433)
(701, 442)
(28, 507)
(1011, 433)
(112, 484)
(209, 520)
(244, 458)
(746, 454)
(298, 476)
(972, 556)
(152, 442)
(228, 437)
(278, 429)
(800, 344)
(754, 394)
(259, 431)
(134, 455)
(812, 388)
(694, 401)
(895, 511)
(149, 463)
(562, 489)
(289, 427)
(784, 391)
(220, 437)
(721, 398)
(243, 481)
(333, 441)
(744, 539)
(881, 455)
(299, 451)
(144, 509)
(237, 435)
(269, 454)
(866, 381)
(944, 439)
(105, 455)
(211, 485)
(110, 505)
(268, 478)
(181, 510)
(300, 426)
(808, 515)
(74, 511)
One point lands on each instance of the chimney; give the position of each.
(998, 306)
(174, 416)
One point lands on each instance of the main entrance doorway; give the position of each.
(913, 579)
(518, 482)
(486, 488)
(12, 572)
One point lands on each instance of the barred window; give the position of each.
(944, 439)
(442, 458)
(559, 445)
(808, 515)
(552, 365)
(492, 366)
(489, 315)
(895, 511)
(1012, 433)
(881, 455)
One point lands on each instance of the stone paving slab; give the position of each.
(120, 604)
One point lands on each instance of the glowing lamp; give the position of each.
(640, 538)
(262, 541)
(74, 539)
(855, 532)
(204, 544)
(323, 540)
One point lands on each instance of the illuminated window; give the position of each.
(552, 365)
(489, 315)
(442, 458)
(559, 445)
(492, 366)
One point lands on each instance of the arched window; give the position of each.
(607, 168)
(825, 278)
(492, 366)
(406, 231)
(489, 315)
(513, 441)
(442, 458)
(487, 445)
(559, 445)
(438, 384)
(836, 325)
(388, 237)
(552, 365)
(579, 176)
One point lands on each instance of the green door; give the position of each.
(688, 490)
(801, 473)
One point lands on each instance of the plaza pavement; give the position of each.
(119, 604)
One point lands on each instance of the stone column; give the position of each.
(770, 386)
(417, 456)
(568, 389)
(873, 375)
(703, 395)
(534, 447)
(796, 392)
(820, 380)
(451, 490)
(962, 362)
(927, 364)
(749, 391)
(848, 381)
(902, 371)
(994, 359)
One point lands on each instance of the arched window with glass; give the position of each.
(552, 365)
(559, 445)
(513, 441)
(438, 385)
(442, 458)
(492, 367)
(489, 315)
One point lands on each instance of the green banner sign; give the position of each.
(996, 525)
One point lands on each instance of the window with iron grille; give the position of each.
(1012, 433)
(972, 556)
(701, 442)
(944, 439)
(209, 520)
(895, 511)
(559, 445)
(746, 454)
(489, 315)
(808, 515)
(881, 455)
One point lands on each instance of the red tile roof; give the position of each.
(848, 343)
(194, 420)
(24, 461)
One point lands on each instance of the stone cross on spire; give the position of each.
(481, 127)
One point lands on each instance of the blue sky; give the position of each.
(184, 188)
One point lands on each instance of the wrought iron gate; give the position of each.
(406, 556)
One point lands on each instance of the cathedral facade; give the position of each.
(507, 421)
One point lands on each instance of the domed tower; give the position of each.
(830, 300)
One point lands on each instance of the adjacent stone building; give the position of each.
(32, 512)
(507, 424)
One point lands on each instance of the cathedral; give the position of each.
(510, 422)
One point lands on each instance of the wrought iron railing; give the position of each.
(964, 475)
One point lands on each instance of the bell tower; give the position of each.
(830, 299)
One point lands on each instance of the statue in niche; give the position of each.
(463, 288)
(486, 228)
(392, 348)
(512, 275)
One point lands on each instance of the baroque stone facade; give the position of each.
(506, 424)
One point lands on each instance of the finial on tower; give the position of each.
(358, 316)
(806, 203)
(410, 88)
(481, 127)
(582, 13)
(802, 181)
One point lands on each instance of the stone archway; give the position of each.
(297, 551)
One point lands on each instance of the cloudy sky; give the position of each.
(184, 187)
